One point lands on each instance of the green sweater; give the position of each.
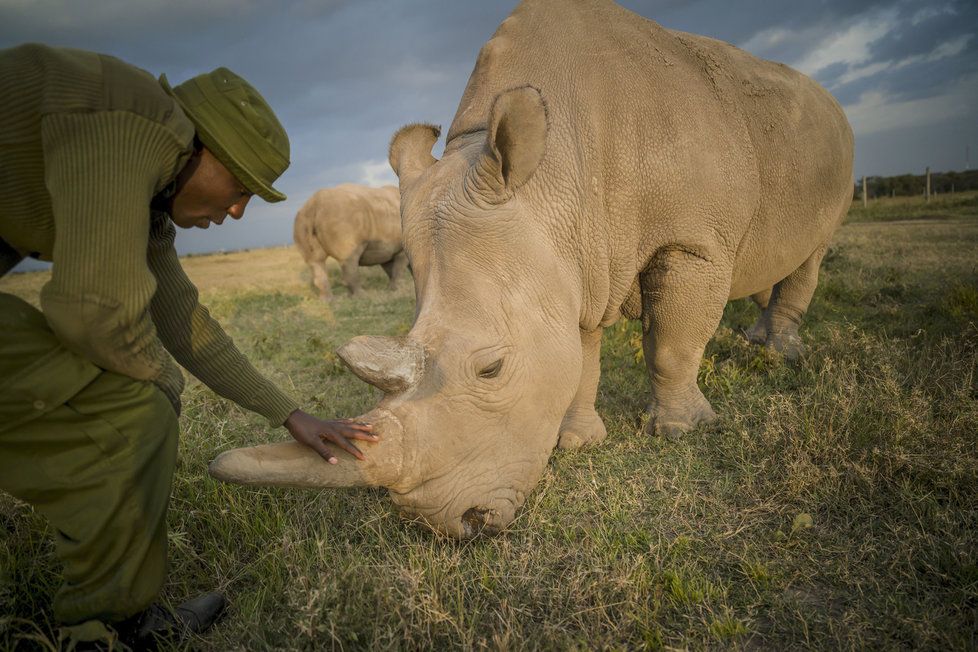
(86, 142)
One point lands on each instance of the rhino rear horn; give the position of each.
(393, 364)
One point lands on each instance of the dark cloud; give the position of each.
(917, 80)
(343, 75)
(920, 31)
(913, 149)
(924, 50)
(737, 22)
(826, 76)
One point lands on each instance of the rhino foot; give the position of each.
(785, 341)
(581, 427)
(788, 344)
(670, 419)
(757, 334)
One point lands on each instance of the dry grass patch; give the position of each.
(833, 505)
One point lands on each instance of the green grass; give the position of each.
(888, 209)
(833, 505)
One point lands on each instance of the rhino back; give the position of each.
(660, 138)
(803, 148)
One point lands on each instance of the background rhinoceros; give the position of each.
(598, 165)
(356, 225)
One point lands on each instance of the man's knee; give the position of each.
(116, 433)
(141, 425)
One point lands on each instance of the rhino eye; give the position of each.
(492, 370)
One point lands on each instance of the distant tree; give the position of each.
(906, 185)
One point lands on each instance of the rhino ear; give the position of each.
(516, 140)
(410, 151)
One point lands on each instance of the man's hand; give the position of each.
(314, 433)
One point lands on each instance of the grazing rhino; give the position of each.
(357, 226)
(598, 166)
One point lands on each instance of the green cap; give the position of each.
(236, 124)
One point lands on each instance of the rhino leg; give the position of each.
(582, 425)
(683, 297)
(758, 332)
(777, 327)
(350, 268)
(315, 256)
(321, 279)
(395, 268)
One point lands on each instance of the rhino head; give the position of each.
(475, 393)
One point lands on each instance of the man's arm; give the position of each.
(198, 342)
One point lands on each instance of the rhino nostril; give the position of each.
(475, 521)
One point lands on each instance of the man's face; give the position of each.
(207, 192)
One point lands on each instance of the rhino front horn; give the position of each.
(392, 364)
(291, 464)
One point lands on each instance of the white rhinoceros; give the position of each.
(357, 226)
(598, 165)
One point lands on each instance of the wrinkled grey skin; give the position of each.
(598, 166)
(356, 225)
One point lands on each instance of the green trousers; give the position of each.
(94, 452)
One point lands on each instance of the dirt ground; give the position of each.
(274, 268)
(277, 268)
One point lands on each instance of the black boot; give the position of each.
(157, 624)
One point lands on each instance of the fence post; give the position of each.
(864, 191)
(927, 193)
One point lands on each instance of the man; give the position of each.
(98, 162)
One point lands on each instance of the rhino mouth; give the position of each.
(464, 517)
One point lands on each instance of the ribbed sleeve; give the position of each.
(198, 342)
(100, 171)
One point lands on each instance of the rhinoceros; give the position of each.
(357, 226)
(598, 166)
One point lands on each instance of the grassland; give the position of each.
(890, 209)
(833, 505)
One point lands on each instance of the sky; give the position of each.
(344, 75)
